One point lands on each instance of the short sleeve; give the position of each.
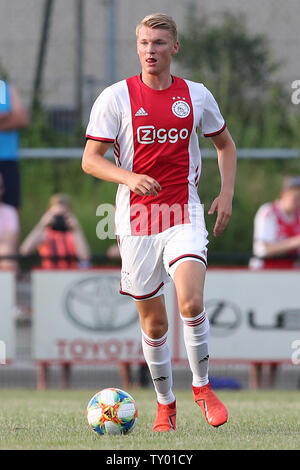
(212, 122)
(265, 224)
(104, 120)
(265, 228)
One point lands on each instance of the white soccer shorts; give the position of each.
(148, 261)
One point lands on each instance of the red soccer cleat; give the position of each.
(165, 419)
(213, 409)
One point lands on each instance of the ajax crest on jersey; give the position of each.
(112, 411)
(181, 109)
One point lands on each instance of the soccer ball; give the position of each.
(112, 411)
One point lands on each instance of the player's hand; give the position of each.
(143, 185)
(71, 221)
(295, 242)
(223, 206)
(47, 219)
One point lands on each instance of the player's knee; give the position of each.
(156, 330)
(192, 307)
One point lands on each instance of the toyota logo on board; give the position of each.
(94, 303)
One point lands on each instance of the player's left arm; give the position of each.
(222, 204)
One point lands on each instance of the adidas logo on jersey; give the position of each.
(141, 112)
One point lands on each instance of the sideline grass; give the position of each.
(55, 419)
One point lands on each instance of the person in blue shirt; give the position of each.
(13, 117)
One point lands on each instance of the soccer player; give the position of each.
(152, 120)
(276, 240)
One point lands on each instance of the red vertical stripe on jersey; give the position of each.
(162, 122)
(117, 152)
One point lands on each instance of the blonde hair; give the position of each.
(60, 198)
(159, 21)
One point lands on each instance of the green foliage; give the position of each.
(227, 57)
(42, 178)
(40, 134)
(239, 70)
(257, 182)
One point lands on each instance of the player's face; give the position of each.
(155, 48)
(291, 199)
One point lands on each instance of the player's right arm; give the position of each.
(277, 248)
(266, 243)
(37, 235)
(94, 163)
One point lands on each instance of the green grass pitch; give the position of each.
(56, 419)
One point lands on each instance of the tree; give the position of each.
(237, 67)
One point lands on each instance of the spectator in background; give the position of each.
(276, 245)
(13, 117)
(9, 232)
(276, 241)
(58, 237)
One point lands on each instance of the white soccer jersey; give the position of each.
(272, 224)
(155, 132)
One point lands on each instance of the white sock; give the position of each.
(157, 355)
(196, 334)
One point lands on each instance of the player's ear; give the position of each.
(175, 48)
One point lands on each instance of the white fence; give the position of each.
(71, 153)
